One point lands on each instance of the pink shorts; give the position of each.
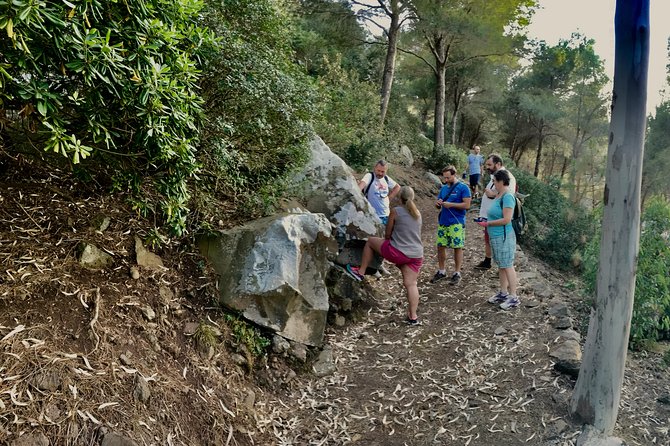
(399, 259)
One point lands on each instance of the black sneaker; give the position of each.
(412, 322)
(455, 279)
(437, 277)
(484, 264)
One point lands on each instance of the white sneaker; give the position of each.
(499, 298)
(511, 302)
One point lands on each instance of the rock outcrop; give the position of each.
(273, 271)
(327, 186)
(402, 156)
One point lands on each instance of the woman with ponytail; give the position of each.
(401, 246)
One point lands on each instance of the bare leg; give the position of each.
(374, 244)
(504, 284)
(409, 279)
(487, 249)
(510, 279)
(458, 259)
(441, 257)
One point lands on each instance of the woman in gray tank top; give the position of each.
(401, 246)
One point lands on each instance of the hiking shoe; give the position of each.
(510, 302)
(484, 264)
(455, 279)
(480, 219)
(499, 298)
(412, 322)
(437, 277)
(383, 271)
(354, 272)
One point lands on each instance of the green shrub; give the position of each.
(651, 309)
(112, 85)
(591, 256)
(362, 154)
(349, 116)
(651, 312)
(445, 156)
(422, 146)
(248, 336)
(258, 106)
(666, 358)
(558, 231)
(204, 337)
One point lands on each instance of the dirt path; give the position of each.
(471, 374)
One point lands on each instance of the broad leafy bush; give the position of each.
(360, 155)
(651, 310)
(112, 81)
(558, 231)
(445, 156)
(349, 119)
(349, 115)
(258, 106)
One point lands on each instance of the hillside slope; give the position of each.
(100, 357)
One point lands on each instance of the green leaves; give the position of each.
(112, 81)
(655, 179)
(258, 104)
(651, 308)
(558, 231)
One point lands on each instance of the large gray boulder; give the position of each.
(402, 156)
(327, 186)
(434, 179)
(273, 270)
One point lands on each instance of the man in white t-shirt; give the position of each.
(379, 189)
(492, 164)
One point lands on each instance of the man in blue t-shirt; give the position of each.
(453, 201)
(475, 163)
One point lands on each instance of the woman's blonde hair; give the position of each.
(407, 199)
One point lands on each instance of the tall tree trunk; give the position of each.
(389, 64)
(564, 167)
(440, 51)
(424, 117)
(440, 103)
(454, 118)
(576, 153)
(552, 161)
(475, 136)
(538, 156)
(513, 150)
(454, 125)
(598, 390)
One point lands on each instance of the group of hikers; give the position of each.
(402, 245)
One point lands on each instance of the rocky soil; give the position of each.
(117, 356)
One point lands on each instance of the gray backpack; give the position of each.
(518, 218)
